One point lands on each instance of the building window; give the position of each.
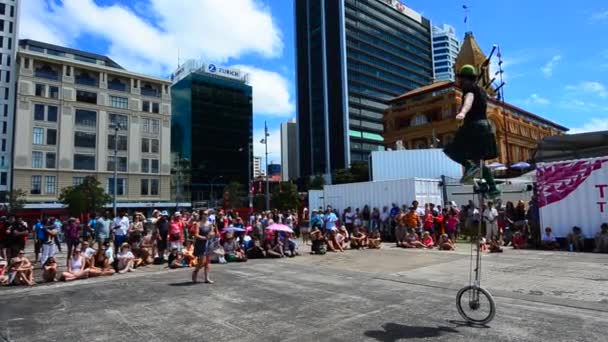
(50, 160)
(36, 185)
(154, 185)
(50, 184)
(12, 11)
(53, 92)
(37, 160)
(6, 94)
(76, 181)
(85, 139)
(51, 115)
(145, 106)
(145, 165)
(4, 127)
(40, 90)
(38, 136)
(119, 119)
(51, 136)
(419, 120)
(86, 96)
(39, 112)
(144, 187)
(155, 107)
(122, 142)
(155, 126)
(145, 145)
(84, 162)
(5, 109)
(3, 145)
(87, 118)
(3, 178)
(122, 164)
(7, 76)
(155, 145)
(121, 186)
(119, 102)
(154, 166)
(151, 126)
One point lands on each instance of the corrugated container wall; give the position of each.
(315, 199)
(426, 163)
(573, 193)
(380, 194)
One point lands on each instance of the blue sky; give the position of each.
(555, 62)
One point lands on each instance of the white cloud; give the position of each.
(548, 68)
(270, 92)
(590, 87)
(536, 99)
(599, 16)
(274, 145)
(593, 125)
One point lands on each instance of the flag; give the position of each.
(465, 19)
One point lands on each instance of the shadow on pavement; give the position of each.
(185, 283)
(467, 324)
(393, 332)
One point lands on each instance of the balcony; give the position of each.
(149, 90)
(47, 73)
(117, 85)
(86, 80)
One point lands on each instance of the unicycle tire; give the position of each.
(468, 292)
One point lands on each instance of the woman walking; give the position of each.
(203, 234)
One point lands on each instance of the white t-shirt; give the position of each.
(490, 215)
(384, 216)
(121, 225)
(128, 254)
(348, 217)
(89, 252)
(548, 238)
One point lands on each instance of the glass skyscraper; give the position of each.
(352, 56)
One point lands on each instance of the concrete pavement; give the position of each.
(387, 295)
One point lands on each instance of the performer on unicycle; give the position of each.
(474, 141)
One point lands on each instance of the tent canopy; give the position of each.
(572, 146)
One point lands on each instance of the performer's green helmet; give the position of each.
(467, 70)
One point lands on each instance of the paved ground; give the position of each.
(386, 295)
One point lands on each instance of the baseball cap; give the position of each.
(164, 213)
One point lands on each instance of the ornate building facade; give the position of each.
(425, 117)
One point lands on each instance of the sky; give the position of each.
(554, 51)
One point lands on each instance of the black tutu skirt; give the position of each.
(473, 141)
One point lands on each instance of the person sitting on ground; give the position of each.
(145, 252)
(332, 242)
(232, 249)
(273, 247)
(411, 240)
(3, 277)
(358, 239)
(50, 270)
(548, 240)
(427, 240)
(88, 253)
(103, 261)
(343, 237)
(374, 241)
(318, 241)
(21, 271)
(188, 253)
(495, 244)
(176, 259)
(445, 244)
(576, 240)
(255, 251)
(290, 245)
(125, 258)
(601, 240)
(518, 241)
(76, 267)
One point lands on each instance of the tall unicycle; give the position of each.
(474, 303)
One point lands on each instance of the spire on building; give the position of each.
(471, 53)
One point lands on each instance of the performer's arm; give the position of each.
(466, 106)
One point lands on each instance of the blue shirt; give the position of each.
(40, 232)
(394, 211)
(331, 221)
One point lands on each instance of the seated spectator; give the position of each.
(145, 251)
(290, 246)
(255, 251)
(601, 240)
(125, 258)
(319, 243)
(20, 270)
(358, 239)
(411, 240)
(343, 237)
(445, 244)
(576, 240)
(176, 259)
(50, 270)
(518, 241)
(374, 241)
(88, 253)
(427, 240)
(548, 240)
(232, 249)
(332, 242)
(188, 253)
(103, 261)
(76, 267)
(3, 277)
(495, 244)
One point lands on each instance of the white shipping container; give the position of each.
(315, 199)
(573, 193)
(427, 163)
(383, 193)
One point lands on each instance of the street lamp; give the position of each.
(250, 194)
(265, 142)
(116, 126)
(211, 190)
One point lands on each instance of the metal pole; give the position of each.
(249, 175)
(266, 147)
(502, 108)
(116, 127)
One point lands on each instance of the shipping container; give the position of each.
(315, 199)
(573, 193)
(426, 163)
(380, 194)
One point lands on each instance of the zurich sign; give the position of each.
(212, 68)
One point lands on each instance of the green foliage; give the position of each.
(15, 200)
(84, 198)
(286, 196)
(234, 193)
(317, 183)
(343, 176)
(358, 172)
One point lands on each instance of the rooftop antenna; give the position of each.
(467, 13)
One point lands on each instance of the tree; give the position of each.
(286, 196)
(233, 194)
(343, 176)
(15, 201)
(360, 171)
(87, 197)
(317, 183)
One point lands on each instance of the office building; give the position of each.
(9, 31)
(353, 56)
(212, 129)
(257, 167)
(74, 108)
(445, 50)
(289, 151)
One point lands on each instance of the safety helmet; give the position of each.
(467, 70)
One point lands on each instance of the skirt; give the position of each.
(473, 141)
(200, 248)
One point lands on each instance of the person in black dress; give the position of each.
(202, 234)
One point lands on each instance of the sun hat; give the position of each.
(164, 213)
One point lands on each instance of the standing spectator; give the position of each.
(162, 227)
(366, 216)
(39, 239)
(384, 223)
(533, 216)
(375, 220)
(136, 230)
(120, 229)
(348, 219)
(330, 221)
(102, 228)
(357, 219)
(89, 229)
(400, 227)
(176, 232)
(17, 233)
(601, 239)
(72, 234)
(490, 216)
(3, 238)
(60, 237)
(48, 245)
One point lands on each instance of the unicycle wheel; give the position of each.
(475, 305)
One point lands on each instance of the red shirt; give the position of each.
(176, 228)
